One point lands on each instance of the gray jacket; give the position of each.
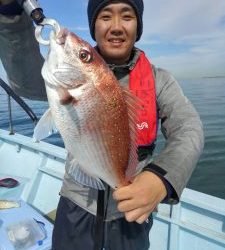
(180, 122)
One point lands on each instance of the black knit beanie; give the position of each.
(94, 6)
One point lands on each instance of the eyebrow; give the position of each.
(124, 9)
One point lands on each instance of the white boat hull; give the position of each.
(196, 223)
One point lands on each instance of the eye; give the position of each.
(85, 56)
(127, 17)
(105, 18)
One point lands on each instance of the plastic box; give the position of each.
(26, 217)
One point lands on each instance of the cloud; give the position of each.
(177, 18)
(79, 29)
(196, 26)
(185, 37)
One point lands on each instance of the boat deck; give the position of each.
(196, 223)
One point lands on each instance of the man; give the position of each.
(116, 26)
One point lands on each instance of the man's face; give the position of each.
(116, 32)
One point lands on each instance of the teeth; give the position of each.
(116, 41)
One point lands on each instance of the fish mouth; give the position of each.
(62, 36)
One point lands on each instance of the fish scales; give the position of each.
(90, 111)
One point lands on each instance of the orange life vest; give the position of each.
(142, 84)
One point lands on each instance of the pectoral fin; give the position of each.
(45, 127)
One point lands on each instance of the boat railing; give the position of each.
(20, 102)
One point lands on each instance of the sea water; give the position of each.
(208, 97)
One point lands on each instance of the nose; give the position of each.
(116, 26)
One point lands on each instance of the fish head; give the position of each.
(71, 61)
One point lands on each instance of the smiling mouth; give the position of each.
(116, 40)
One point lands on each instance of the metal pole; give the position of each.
(18, 99)
(11, 132)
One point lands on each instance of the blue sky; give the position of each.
(185, 37)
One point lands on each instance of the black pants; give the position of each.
(74, 230)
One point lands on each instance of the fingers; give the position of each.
(143, 218)
(139, 215)
(139, 199)
(123, 193)
(134, 203)
(127, 205)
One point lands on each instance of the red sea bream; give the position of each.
(94, 115)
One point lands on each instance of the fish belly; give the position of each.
(82, 138)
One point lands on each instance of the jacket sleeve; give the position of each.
(182, 128)
(21, 57)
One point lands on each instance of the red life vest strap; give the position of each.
(142, 84)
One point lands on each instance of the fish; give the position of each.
(6, 204)
(94, 115)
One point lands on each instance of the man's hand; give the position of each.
(4, 2)
(141, 197)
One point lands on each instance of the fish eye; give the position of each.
(85, 56)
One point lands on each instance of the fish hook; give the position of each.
(39, 28)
